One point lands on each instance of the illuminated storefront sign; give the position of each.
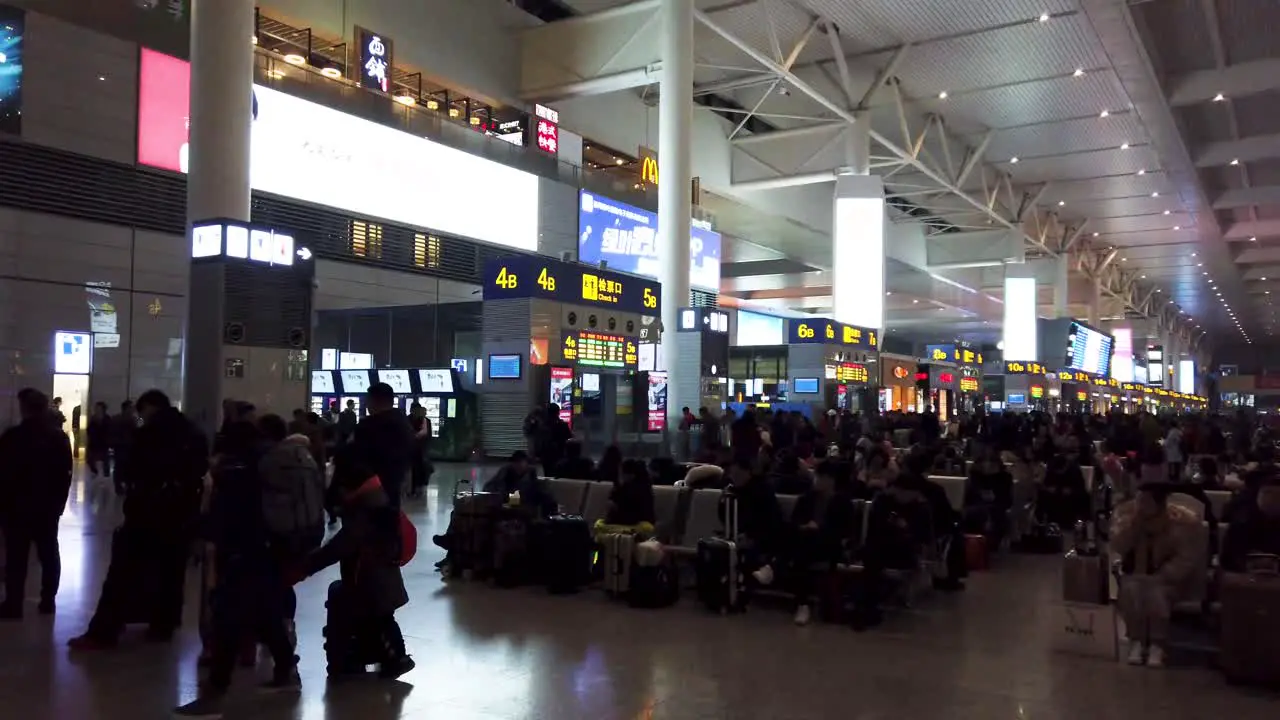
(548, 129)
(526, 276)
(375, 59)
(1037, 392)
(371, 169)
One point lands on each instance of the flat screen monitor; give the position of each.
(322, 382)
(397, 379)
(805, 386)
(504, 367)
(1018, 399)
(354, 382)
(437, 380)
(1089, 350)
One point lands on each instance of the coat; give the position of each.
(164, 473)
(367, 551)
(1178, 556)
(35, 473)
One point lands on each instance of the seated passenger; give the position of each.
(1264, 471)
(1206, 473)
(1062, 498)
(610, 467)
(574, 466)
(759, 518)
(945, 521)
(988, 498)
(1157, 543)
(1256, 532)
(631, 501)
(878, 471)
(518, 477)
(788, 476)
(820, 523)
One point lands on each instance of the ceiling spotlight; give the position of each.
(1235, 161)
(1095, 234)
(915, 302)
(1124, 146)
(1061, 203)
(1177, 227)
(1013, 160)
(295, 59)
(1104, 113)
(887, 293)
(1142, 172)
(1124, 259)
(1078, 73)
(1044, 17)
(1143, 277)
(617, 161)
(1199, 264)
(1193, 254)
(1253, 239)
(942, 95)
(1166, 212)
(1219, 97)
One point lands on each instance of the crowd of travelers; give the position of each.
(254, 501)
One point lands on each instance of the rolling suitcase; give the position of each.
(617, 551)
(348, 647)
(1250, 640)
(719, 574)
(565, 553)
(511, 548)
(472, 529)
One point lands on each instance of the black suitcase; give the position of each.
(471, 529)
(719, 574)
(511, 548)
(349, 644)
(565, 553)
(654, 586)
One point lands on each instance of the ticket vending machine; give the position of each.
(454, 412)
(354, 386)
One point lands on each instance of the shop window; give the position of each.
(426, 251)
(366, 239)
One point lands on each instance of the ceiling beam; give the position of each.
(1248, 78)
(1247, 197)
(1251, 229)
(1250, 149)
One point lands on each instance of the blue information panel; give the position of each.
(830, 332)
(522, 276)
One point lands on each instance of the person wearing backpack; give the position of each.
(293, 500)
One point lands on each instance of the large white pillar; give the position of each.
(221, 109)
(1095, 302)
(1060, 287)
(857, 238)
(675, 204)
(221, 118)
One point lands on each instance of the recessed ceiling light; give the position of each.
(102, 77)
(1219, 97)
(1199, 264)
(1061, 203)
(942, 95)
(915, 302)
(1124, 259)
(1177, 227)
(1253, 239)
(887, 293)
(1235, 161)
(1155, 194)
(618, 161)
(1124, 146)
(332, 73)
(1193, 254)
(295, 59)
(1166, 212)
(1104, 113)
(1143, 277)
(1078, 73)
(1013, 160)
(1044, 17)
(1142, 172)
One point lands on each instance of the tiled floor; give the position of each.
(507, 654)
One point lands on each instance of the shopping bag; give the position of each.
(1085, 629)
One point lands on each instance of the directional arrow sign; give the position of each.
(304, 253)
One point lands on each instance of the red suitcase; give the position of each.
(1250, 641)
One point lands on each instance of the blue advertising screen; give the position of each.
(627, 237)
(805, 386)
(1018, 399)
(11, 29)
(504, 367)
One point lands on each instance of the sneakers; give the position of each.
(803, 615)
(764, 575)
(88, 643)
(393, 669)
(1135, 653)
(206, 706)
(1155, 656)
(287, 681)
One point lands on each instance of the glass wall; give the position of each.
(757, 372)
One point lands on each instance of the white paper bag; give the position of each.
(1083, 629)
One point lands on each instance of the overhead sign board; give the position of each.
(523, 276)
(830, 332)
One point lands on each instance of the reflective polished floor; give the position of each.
(492, 654)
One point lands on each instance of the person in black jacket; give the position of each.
(552, 439)
(97, 448)
(820, 523)
(164, 479)
(631, 501)
(247, 601)
(384, 441)
(944, 521)
(988, 498)
(1255, 531)
(759, 517)
(35, 478)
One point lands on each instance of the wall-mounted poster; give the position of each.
(11, 28)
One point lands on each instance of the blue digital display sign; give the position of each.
(524, 276)
(627, 238)
(11, 29)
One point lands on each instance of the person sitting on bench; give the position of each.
(820, 523)
(759, 518)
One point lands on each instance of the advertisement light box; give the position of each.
(316, 154)
(627, 238)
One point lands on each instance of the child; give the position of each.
(367, 550)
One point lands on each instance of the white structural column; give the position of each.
(221, 109)
(1095, 302)
(221, 118)
(1060, 287)
(675, 203)
(857, 237)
